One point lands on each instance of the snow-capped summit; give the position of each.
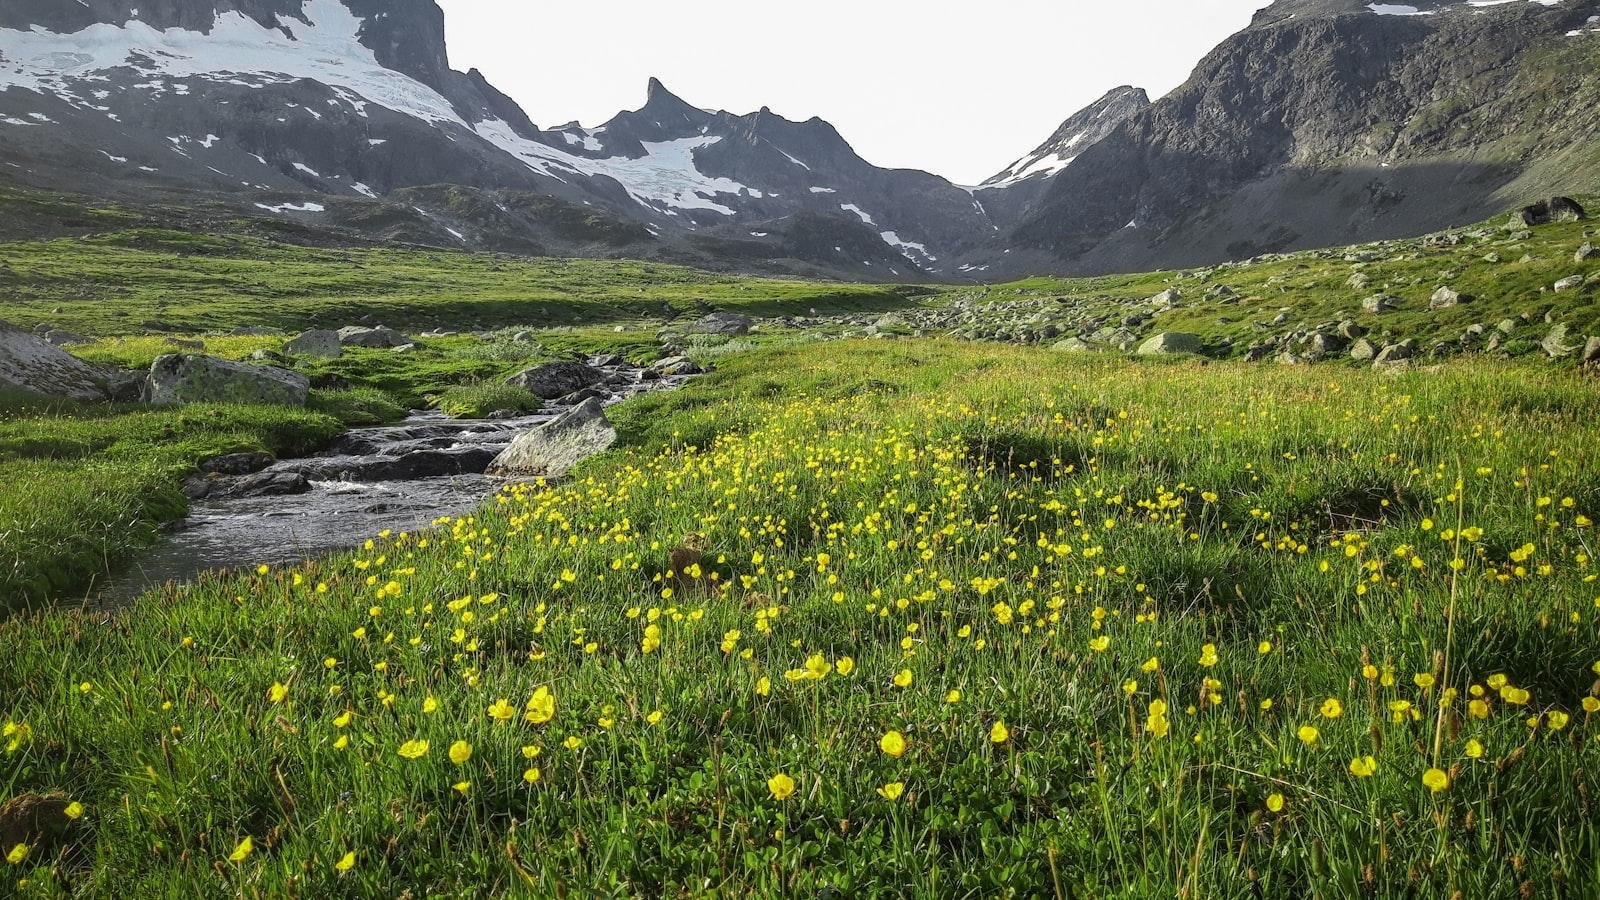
(1078, 133)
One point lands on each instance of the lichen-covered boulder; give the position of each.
(317, 342)
(1171, 342)
(554, 448)
(181, 378)
(558, 379)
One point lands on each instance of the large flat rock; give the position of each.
(554, 448)
(182, 378)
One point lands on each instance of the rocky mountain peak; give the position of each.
(1082, 130)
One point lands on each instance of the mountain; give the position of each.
(1324, 122)
(337, 112)
(1329, 122)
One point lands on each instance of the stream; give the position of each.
(398, 477)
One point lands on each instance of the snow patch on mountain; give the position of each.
(666, 177)
(328, 50)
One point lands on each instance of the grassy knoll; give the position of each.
(123, 282)
(949, 619)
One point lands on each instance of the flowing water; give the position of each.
(397, 478)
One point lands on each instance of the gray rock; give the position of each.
(1363, 351)
(62, 338)
(1379, 304)
(317, 342)
(1571, 283)
(1324, 344)
(677, 365)
(1350, 330)
(122, 385)
(237, 463)
(1591, 352)
(377, 338)
(181, 378)
(1395, 354)
(1073, 345)
(1585, 253)
(1445, 298)
(553, 449)
(722, 323)
(1167, 299)
(557, 379)
(1171, 342)
(31, 365)
(1290, 358)
(264, 484)
(1559, 342)
(1556, 209)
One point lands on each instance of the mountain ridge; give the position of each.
(1321, 122)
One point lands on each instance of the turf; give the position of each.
(880, 619)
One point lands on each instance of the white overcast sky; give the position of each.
(956, 88)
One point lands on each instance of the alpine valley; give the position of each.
(341, 122)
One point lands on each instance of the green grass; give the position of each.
(119, 283)
(1024, 527)
(1314, 287)
(82, 487)
(475, 401)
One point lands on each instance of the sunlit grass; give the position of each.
(888, 618)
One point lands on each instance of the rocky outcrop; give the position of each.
(731, 324)
(378, 338)
(1556, 209)
(552, 381)
(555, 448)
(317, 342)
(30, 365)
(1169, 342)
(181, 378)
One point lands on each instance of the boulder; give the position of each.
(1570, 283)
(237, 463)
(1559, 342)
(264, 484)
(1363, 351)
(1350, 330)
(1323, 344)
(1556, 209)
(62, 338)
(317, 342)
(377, 338)
(1591, 352)
(181, 378)
(1171, 342)
(730, 324)
(554, 448)
(1380, 304)
(1167, 299)
(1073, 345)
(1586, 253)
(557, 379)
(1445, 298)
(31, 365)
(677, 365)
(1395, 354)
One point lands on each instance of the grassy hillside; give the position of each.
(880, 619)
(1508, 273)
(131, 282)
